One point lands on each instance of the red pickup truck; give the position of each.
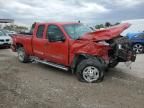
(73, 46)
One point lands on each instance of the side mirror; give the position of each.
(59, 38)
(55, 38)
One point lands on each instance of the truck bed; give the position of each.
(25, 40)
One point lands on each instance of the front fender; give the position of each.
(88, 48)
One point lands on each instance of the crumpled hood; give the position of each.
(106, 34)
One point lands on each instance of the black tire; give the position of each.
(113, 64)
(94, 63)
(22, 56)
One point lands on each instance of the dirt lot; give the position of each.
(40, 86)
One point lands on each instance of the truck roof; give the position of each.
(58, 23)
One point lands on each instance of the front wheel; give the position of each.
(90, 71)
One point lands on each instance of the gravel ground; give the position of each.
(40, 86)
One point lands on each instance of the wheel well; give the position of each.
(137, 43)
(80, 58)
(77, 60)
(18, 45)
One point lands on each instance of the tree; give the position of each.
(16, 28)
(108, 24)
(117, 23)
(99, 26)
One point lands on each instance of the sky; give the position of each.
(26, 12)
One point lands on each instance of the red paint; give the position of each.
(64, 52)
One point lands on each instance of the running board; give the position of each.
(52, 64)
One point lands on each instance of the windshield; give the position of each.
(6, 31)
(75, 31)
(2, 33)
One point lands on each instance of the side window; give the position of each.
(55, 34)
(32, 28)
(40, 31)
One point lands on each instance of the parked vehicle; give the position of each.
(72, 46)
(5, 40)
(137, 25)
(9, 33)
(137, 40)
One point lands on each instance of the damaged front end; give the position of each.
(109, 41)
(121, 50)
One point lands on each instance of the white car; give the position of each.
(7, 32)
(5, 40)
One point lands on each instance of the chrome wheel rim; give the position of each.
(91, 74)
(21, 55)
(138, 48)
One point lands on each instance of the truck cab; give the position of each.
(73, 46)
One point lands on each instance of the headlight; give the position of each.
(103, 43)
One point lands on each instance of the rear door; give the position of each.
(38, 41)
(56, 48)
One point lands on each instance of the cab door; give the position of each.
(38, 41)
(56, 48)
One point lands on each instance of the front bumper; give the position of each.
(125, 55)
(122, 50)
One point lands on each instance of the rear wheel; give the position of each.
(90, 71)
(22, 56)
(138, 48)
